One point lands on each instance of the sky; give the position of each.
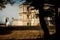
(10, 11)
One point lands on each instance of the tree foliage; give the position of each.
(4, 2)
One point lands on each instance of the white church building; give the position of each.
(28, 16)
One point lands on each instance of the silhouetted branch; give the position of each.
(4, 2)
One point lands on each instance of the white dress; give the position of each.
(7, 24)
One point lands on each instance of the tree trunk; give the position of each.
(42, 21)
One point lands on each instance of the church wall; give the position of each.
(23, 18)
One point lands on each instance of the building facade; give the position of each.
(28, 16)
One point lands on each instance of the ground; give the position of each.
(24, 32)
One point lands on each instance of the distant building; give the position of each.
(28, 16)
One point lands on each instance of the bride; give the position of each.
(7, 21)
